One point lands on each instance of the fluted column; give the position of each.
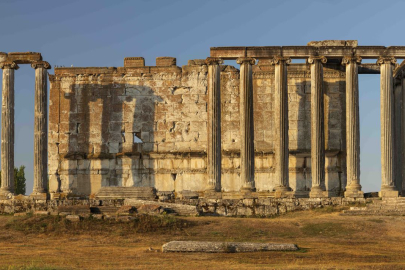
(317, 128)
(281, 123)
(247, 154)
(214, 124)
(353, 187)
(403, 134)
(40, 129)
(388, 188)
(7, 129)
(398, 132)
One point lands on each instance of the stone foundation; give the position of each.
(260, 207)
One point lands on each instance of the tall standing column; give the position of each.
(214, 124)
(403, 134)
(7, 129)
(281, 123)
(398, 132)
(247, 155)
(40, 130)
(388, 188)
(317, 128)
(353, 187)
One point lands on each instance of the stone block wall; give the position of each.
(147, 126)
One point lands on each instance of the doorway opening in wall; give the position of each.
(24, 93)
(370, 132)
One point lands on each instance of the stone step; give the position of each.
(373, 213)
(180, 209)
(145, 193)
(105, 210)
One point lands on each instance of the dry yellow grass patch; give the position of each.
(327, 240)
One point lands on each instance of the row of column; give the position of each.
(353, 188)
(40, 129)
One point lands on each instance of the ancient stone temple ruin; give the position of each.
(258, 127)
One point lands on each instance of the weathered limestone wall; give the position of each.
(95, 114)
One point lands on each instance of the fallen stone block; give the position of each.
(126, 210)
(73, 218)
(38, 213)
(149, 209)
(97, 216)
(224, 247)
(20, 214)
(74, 209)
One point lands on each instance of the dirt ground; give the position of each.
(326, 240)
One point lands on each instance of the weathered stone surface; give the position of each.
(73, 218)
(134, 62)
(224, 247)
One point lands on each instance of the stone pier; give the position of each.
(247, 155)
(7, 129)
(40, 130)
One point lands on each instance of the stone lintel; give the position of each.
(368, 68)
(134, 62)
(303, 52)
(24, 57)
(323, 43)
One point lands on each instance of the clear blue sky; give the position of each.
(102, 33)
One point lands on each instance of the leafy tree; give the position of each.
(19, 180)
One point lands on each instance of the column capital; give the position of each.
(214, 61)
(313, 59)
(249, 60)
(278, 59)
(386, 60)
(351, 59)
(39, 64)
(9, 65)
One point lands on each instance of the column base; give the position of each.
(352, 193)
(39, 196)
(317, 192)
(247, 189)
(6, 194)
(388, 194)
(212, 194)
(282, 192)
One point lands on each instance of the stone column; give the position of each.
(388, 188)
(403, 133)
(317, 128)
(7, 130)
(247, 155)
(40, 131)
(398, 132)
(281, 124)
(353, 187)
(214, 125)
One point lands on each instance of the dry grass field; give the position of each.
(327, 241)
